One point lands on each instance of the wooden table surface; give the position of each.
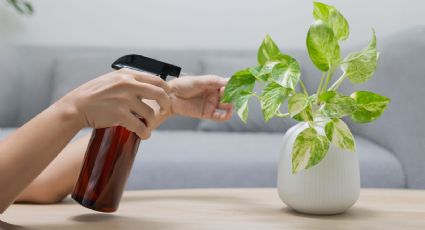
(222, 209)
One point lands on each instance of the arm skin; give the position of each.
(191, 96)
(109, 100)
(58, 179)
(26, 152)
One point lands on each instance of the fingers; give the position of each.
(143, 111)
(150, 87)
(226, 109)
(147, 78)
(134, 124)
(223, 112)
(210, 82)
(221, 92)
(218, 111)
(151, 92)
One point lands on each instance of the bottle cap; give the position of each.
(146, 64)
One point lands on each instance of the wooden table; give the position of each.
(222, 209)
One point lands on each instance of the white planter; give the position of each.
(330, 187)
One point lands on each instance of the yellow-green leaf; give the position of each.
(318, 150)
(370, 106)
(297, 103)
(360, 66)
(337, 105)
(286, 72)
(308, 150)
(267, 51)
(238, 91)
(272, 97)
(322, 46)
(333, 18)
(340, 135)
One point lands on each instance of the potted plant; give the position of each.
(318, 170)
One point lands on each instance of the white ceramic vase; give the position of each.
(330, 187)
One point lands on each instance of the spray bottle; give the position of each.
(111, 151)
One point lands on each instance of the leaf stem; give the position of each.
(282, 115)
(338, 82)
(328, 78)
(319, 89)
(303, 87)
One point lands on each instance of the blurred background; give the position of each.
(193, 24)
(68, 42)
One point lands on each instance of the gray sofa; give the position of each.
(188, 153)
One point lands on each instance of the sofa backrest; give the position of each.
(9, 98)
(34, 77)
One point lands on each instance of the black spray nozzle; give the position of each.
(142, 63)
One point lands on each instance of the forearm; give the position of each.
(26, 152)
(58, 179)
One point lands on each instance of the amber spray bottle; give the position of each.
(111, 151)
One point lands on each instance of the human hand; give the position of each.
(199, 97)
(115, 99)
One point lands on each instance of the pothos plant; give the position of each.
(280, 74)
(21, 6)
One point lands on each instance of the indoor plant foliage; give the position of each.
(280, 74)
(21, 6)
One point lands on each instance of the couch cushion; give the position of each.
(177, 159)
(10, 79)
(187, 159)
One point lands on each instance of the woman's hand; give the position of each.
(199, 97)
(116, 99)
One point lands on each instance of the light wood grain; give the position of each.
(222, 209)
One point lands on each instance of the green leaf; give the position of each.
(308, 150)
(337, 105)
(22, 7)
(300, 149)
(318, 150)
(370, 106)
(297, 103)
(271, 99)
(340, 135)
(238, 91)
(286, 72)
(333, 18)
(262, 72)
(241, 105)
(322, 46)
(307, 113)
(267, 51)
(360, 66)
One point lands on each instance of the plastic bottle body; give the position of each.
(106, 167)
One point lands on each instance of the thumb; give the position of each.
(211, 82)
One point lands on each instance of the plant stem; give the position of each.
(303, 87)
(279, 114)
(319, 89)
(328, 78)
(338, 82)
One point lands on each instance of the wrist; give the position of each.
(173, 99)
(68, 112)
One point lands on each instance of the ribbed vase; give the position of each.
(330, 187)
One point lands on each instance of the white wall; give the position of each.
(181, 24)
